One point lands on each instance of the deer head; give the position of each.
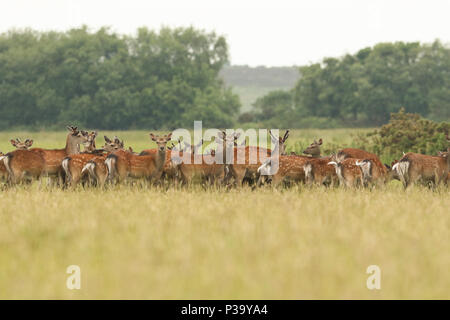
(161, 141)
(22, 145)
(89, 144)
(112, 145)
(280, 142)
(74, 139)
(314, 149)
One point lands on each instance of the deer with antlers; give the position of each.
(210, 168)
(53, 157)
(123, 164)
(247, 169)
(18, 145)
(22, 165)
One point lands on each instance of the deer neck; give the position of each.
(160, 159)
(72, 146)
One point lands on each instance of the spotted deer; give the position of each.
(415, 167)
(191, 165)
(123, 164)
(22, 166)
(21, 145)
(96, 168)
(53, 157)
(348, 173)
(249, 169)
(318, 171)
(73, 165)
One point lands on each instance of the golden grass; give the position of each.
(241, 244)
(193, 243)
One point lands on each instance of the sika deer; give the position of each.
(415, 167)
(193, 166)
(249, 169)
(73, 165)
(20, 146)
(314, 149)
(22, 166)
(320, 172)
(53, 158)
(349, 174)
(96, 167)
(123, 164)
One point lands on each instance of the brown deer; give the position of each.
(53, 158)
(290, 169)
(21, 145)
(23, 166)
(320, 172)
(314, 149)
(349, 174)
(249, 169)
(73, 165)
(96, 167)
(192, 166)
(373, 174)
(415, 167)
(123, 164)
(3, 171)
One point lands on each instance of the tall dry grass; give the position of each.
(213, 244)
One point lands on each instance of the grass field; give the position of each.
(297, 243)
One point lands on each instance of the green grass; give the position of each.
(192, 243)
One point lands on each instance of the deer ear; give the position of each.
(107, 139)
(152, 136)
(169, 136)
(29, 142)
(320, 141)
(286, 135)
(13, 142)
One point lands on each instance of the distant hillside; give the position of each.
(251, 83)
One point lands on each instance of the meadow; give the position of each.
(196, 243)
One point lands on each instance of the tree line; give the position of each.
(103, 80)
(363, 89)
(168, 79)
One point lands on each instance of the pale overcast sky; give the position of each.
(259, 32)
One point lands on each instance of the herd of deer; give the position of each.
(113, 163)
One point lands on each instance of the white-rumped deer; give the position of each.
(96, 167)
(247, 169)
(73, 165)
(22, 166)
(349, 174)
(320, 172)
(415, 167)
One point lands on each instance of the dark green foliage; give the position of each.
(405, 132)
(106, 81)
(365, 88)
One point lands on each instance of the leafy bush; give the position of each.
(405, 132)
